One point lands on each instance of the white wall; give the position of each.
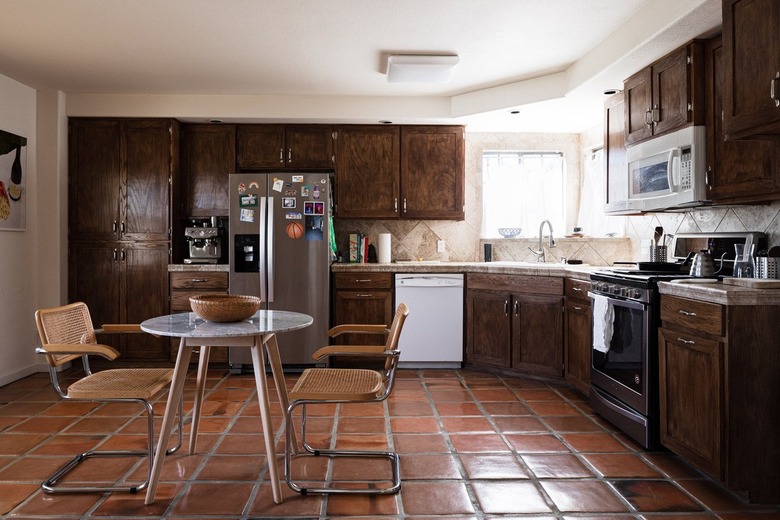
(32, 262)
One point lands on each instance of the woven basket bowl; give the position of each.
(224, 307)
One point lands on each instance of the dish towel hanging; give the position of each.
(603, 319)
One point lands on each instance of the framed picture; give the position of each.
(13, 170)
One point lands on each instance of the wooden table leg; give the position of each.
(200, 387)
(275, 360)
(258, 363)
(171, 408)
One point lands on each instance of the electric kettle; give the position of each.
(703, 264)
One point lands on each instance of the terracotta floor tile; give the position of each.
(557, 466)
(484, 466)
(538, 394)
(41, 503)
(23, 409)
(453, 395)
(509, 497)
(362, 505)
(583, 496)
(18, 443)
(478, 442)
(213, 499)
(427, 467)
(359, 410)
(241, 444)
(294, 504)
(47, 425)
(361, 469)
(655, 495)
(522, 424)
(232, 467)
(671, 466)
(494, 394)
(362, 425)
(124, 505)
(362, 442)
(576, 423)
(536, 443)
(410, 409)
(713, 496)
(552, 408)
(72, 409)
(436, 498)
(593, 442)
(506, 408)
(618, 465)
(414, 425)
(467, 424)
(458, 409)
(420, 443)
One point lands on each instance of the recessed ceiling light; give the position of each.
(386, 122)
(417, 68)
(610, 91)
(215, 120)
(514, 111)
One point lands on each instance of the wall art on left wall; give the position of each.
(13, 169)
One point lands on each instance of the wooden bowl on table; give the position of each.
(224, 308)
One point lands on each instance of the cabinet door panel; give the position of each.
(670, 91)
(309, 146)
(691, 394)
(208, 157)
(362, 307)
(147, 171)
(261, 146)
(145, 289)
(578, 344)
(487, 330)
(93, 278)
(367, 171)
(537, 328)
(93, 179)
(432, 172)
(637, 95)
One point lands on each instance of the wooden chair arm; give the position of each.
(346, 350)
(66, 349)
(355, 328)
(112, 328)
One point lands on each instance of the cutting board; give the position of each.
(754, 283)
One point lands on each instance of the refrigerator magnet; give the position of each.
(316, 192)
(297, 178)
(247, 215)
(319, 208)
(288, 202)
(254, 185)
(305, 190)
(293, 215)
(241, 187)
(290, 193)
(294, 230)
(247, 201)
(314, 228)
(278, 185)
(308, 208)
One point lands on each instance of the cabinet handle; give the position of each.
(517, 308)
(362, 281)
(576, 289)
(656, 117)
(115, 255)
(774, 89)
(365, 295)
(707, 176)
(648, 118)
(686, 341)
(289, 155)
(122, 227)
(113, 227)
(122, 255)
(687, 313)
(281, 155)
(506, 307)
(577, 308)
(395, 205)
(199, 280)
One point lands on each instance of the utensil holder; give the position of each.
(657, 253)
(767, 267)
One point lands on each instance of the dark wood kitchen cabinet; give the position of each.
(719, 391)
(285, 146)
(751, 54)
(666, 95)
(119, 177)
(122, 282)
(367, 171)
(363, 298)
(208, 156)
(515, 322)
(183, 285)
(578, 342)
(432, 172)
(737, 170)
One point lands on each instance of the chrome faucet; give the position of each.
(540, 252)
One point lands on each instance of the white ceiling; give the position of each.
(551, 59)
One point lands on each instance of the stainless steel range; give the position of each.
(624, 357)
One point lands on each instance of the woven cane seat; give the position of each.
(127, 383)
(338, 384)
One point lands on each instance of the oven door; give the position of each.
(624, 370)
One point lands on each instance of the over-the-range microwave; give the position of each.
(665, 172)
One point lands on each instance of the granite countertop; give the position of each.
(718, 292)
(581, 272)
(198, 267)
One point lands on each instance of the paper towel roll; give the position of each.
(384, 248)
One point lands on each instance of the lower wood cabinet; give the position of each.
(365, 298)
(719, 391)
(579, 333)
(122, 282)
(515, 322)
(183, 285)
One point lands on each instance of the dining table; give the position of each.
(257, 333)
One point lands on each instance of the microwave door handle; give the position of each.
(672, 168)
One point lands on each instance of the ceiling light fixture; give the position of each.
(418, 68)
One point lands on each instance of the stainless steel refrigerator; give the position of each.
(280, 250)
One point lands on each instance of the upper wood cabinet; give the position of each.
(367, 171)
(415, 172)
(737, 170)
(208, 157)
(751, 51)
(119, 176)
(665, 96)
(285, 146)
(615, 151)
(432, 172)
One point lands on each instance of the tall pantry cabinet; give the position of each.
(120, 173)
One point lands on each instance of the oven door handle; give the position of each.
(619, 302)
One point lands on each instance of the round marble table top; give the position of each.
(188, 325)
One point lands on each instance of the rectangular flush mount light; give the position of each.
(416, 68)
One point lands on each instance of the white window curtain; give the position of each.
(520, 190)
(591, 217)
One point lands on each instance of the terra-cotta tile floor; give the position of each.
(473, 446)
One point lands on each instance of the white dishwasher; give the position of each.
(432, 336)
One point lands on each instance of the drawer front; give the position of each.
(210, 281)
(524, 284)
(692, 314)
(362, 280)
(180, 300)
(577, 289)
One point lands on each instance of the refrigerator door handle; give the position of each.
(269, 244)
(261, 253)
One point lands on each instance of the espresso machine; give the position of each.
(205, 237)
